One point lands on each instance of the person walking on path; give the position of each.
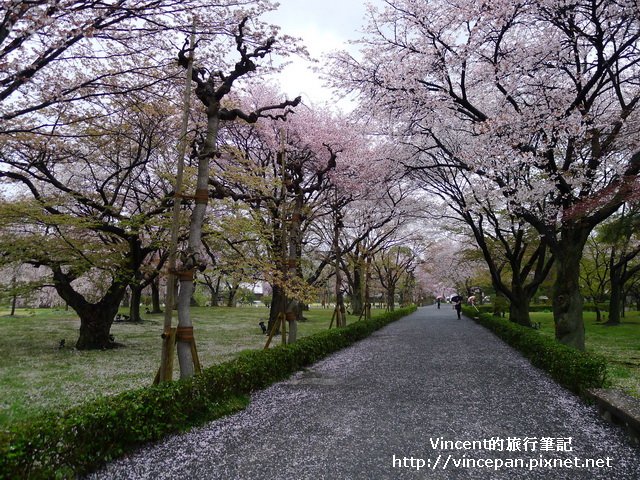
(458, 306)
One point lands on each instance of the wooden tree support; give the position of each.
(337, 316)
(366, 312)
(170, 338)
(165, 372)
(281, 320)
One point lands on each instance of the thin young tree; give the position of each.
(212, 88)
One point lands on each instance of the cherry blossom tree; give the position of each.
(88, 203)
(235, 251)
(279, 171)
(67, 64)
(392, 265)
(548, 89)
(56, 53)
(370, 221)
(517, 259)
(452, 266)
(294, 178)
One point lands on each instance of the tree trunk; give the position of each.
(615, 300)
(185, 327)
(519, 306)
(519, 312)
(342, 309)
(294, 307)
(233, 290)
(214, 291)
(134, 304)
(567, 300)
(95, 318)
(277, 305)
(14, 301)
(230, 296)
(176, 289)
(192, 259)
(155, 296)
(341, 320)
(213, 301)
(293, 329)
(95, 326)
(598, 313)
(367, 288)
(391, 297)
(357, 291)
(213, 297)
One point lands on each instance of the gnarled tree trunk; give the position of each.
(95, 318)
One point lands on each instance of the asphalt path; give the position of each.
(427, 397)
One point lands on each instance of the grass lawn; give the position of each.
(36, 374)
(620, 345)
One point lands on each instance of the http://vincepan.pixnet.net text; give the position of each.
(496, 453)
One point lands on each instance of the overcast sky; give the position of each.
(324, 25)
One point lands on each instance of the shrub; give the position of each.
(574, 369)
(591, 307)
(486, 308)
(81, 439)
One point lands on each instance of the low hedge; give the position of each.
(574, 369)
(83, 438)
(539, 307)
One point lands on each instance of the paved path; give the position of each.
(392, 396)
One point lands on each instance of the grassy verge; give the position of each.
(620, 345)
(37, 375)
(78, 440)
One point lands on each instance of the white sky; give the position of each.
(324, 26)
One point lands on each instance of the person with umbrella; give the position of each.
(457, 304)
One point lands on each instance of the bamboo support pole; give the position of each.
(165, 373)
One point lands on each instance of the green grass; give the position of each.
(620, 345)
(36, 375)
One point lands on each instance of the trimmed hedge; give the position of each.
(574, 369)
(490, 308)
(81, 439)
